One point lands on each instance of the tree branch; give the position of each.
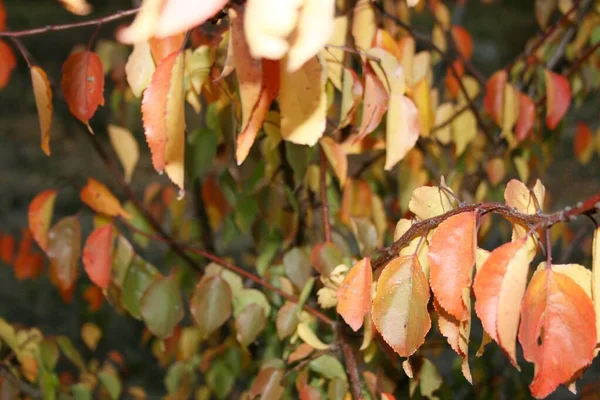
(350, 361)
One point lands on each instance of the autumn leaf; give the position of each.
(97, 256)
(2, 17)
(354, 294)
(43, 102)
(100, 199)
(9, 62)
(267, 33)
(210, 304)
(375, 103)
(126, 147)
(526, 119)
(161, 48)
(451, 259)
(596, 277)
(303, 103)
(40, 215)
(27, 264)
(334, 53)
(364, 25)
(430, 201)
(83, 84)
(463, 40)
(558, 98)
(498, 286)
(406, 56)
(64, 249)
(77, 7)
(400, 305)
(7, 248)
(494, 96)
(584, 143)
(337, 158)
(557, 318)
(163, 117)
(402, 129)
(139, 68)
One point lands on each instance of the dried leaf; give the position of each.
(43, 102)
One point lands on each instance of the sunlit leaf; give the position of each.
(64, 250)
(308, 336)
(100, 199)
(451, 259)
(39, 216)
(334, 54)
(402, 129)
(97, 254)
(43, 102)
(558, 98)
(267, 33)
(430, 201)
(77, 7)
(557, 318)
(400, 305)
(211, 304)
(139, 68)
(354, 294)
(83, 84)
(161, 306)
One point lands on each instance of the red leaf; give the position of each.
(451, 260)
(558, 98)
(94, 297)
(451, 82)
(154, 109)
(557, 331)
(97, 257)
(39, 215)
(375, 103)
(526, 117)
(354, 294)
(7, 248)
(161, 48)
(2, 17)
(494, 96)
(584, 142)
(499, 286)
(27, 264)
(83, 84)
(464, 43)
(8, 62)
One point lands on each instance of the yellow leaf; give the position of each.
(91, 335)
(596, 277)
(100, 199)
(442, 114)
(388, 70)
(314, 28)
(175, 125)
(77, 7)
(418, 245)
(364, 26)
(309, 337)
(303, 103)
(197, 66)
(402, 129)
(423, 103)
(430, 201)
(422, 68)
(407, 57)
(139, 68)
(43, 102)
(334, 55)
(464, 129)
(144, 24)
(337, 158)
(510, 112)
(126, 147)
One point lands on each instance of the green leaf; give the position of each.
(328, 366)
(298, 156)
(174, 376)
(140, 223)
(233, 280)
(162, 307)
(49, 354)
(137, 279)
(595, 36)
(220, 379)
(48, 384)
(111, 382)
(81, 391)
(337, 389)
(211, 304)
(287, 320)
(249, 323)
(203, 143)
(246, 297)
(66, 346)
(246, 211)
(296, 263)
(122, 255)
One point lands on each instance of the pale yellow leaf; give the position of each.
(510, 112)
(430, 201)
(334, 55)
(91, 335)
(303, 103)
(464, 130)
(77, 7)
(267, 33)
(423, 102)
(43, 102)
(422, 68)
(364, 26)
(175, 124)
(197, 66)
(126, 147)
(388, 70)
(442, 114)
(402, 129)
(407, 57)
(144, 24)
(139, 68)
(314, 27)
(309, 337)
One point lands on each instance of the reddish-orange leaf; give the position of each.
(526, 118)
(451, 260)
(558, 98)
(557, 331)
(7, 248)
(39, 215)
(154, 109)
(27, 264)
(83, 84)
(94, 297)
(464, 43)
(354, 294)
(375, 103)
(451, 82)
(8, 62)
(100, 199)
(400, 305)
(43, 102)
(499, 286)
(161, 48)
(584, 143)
(97, 256)
(494, 96)
(2, 17)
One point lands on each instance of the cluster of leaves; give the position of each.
(292, 89)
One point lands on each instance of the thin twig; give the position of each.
(23, 51)
(350, 361)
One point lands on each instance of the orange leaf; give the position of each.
(94, 297)
(100, 199)
(2, 17)
(451, 260)
(463, 41)
(400, 305)
(375, 103)
(97, 257)
(337, 158)
(558, 98)
(77, 7)
(39, 216)
(83, 84)
(494, 96)
(161, 48)
(27, 264)
(557, 331)
(526, 117)
(7, 248)
(451, 82)
(354, 294)
(43, 102)
(384, 41)
(499, 286)
(8, 63)
(584, 143)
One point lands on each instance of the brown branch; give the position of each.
(324, 203)
(61, 27)
(350, 361)
(539, 220)
(234, 268)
